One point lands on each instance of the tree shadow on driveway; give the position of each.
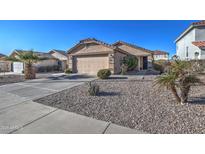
(104, 93)
(197, 101)
(117, 77)
(71, 77)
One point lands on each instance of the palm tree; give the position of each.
(168, 80)
(28, 58)
(181, 75)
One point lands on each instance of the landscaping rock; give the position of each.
(135, 104)
(6, 79)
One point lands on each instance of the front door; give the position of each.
(145, 63)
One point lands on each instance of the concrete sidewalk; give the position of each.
(63, 122)
(20, 115)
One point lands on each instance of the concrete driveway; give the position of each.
(19, 114)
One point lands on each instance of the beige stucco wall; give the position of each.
(134, 51)
(5, 66)
(140, 66)
(118, 57)
(50, 62)
(64, 64)
(59, 56)
(91, 48)
(161, 57)
(70, 62)
(62, 58)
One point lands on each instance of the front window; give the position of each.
(196, 54)
(187, 52)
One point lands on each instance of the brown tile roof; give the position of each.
(59, 51)
(199, 43)
(88, 40)
(132, 45)
(92, 53)
(2, 55)
(39, 54)
(97, 41)
(159, 52)
(199, 23)
(91, 40)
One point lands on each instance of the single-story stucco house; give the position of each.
(2, 55)
(46, 64)
(90, 55)
(5, 66)
(160, 55)
(62, 58)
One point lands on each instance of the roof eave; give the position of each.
(133, 46)
(92, 53)
(96, 41)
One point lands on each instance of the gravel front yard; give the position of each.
(6, 79)
(135, 104)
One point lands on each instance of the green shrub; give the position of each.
(131, 62)
(93, 89)
(68, 71)
(161, 66)
(158, 67)
(104, 73)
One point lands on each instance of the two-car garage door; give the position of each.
(91, 64)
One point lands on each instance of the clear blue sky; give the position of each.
(46, 35)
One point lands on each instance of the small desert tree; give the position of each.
(129, 63)
(179, 79)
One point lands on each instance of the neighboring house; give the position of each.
(62, 58)
(46, 64)
(2, 56)
(160, 55)
(191, 43)
(5, 66)
(91, 55)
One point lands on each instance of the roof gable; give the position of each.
(91, 46)
(58, 51)
(39, 54)
(86, 42)
(132, 49)
(2, 55)
(193, 25)
(159, 52)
